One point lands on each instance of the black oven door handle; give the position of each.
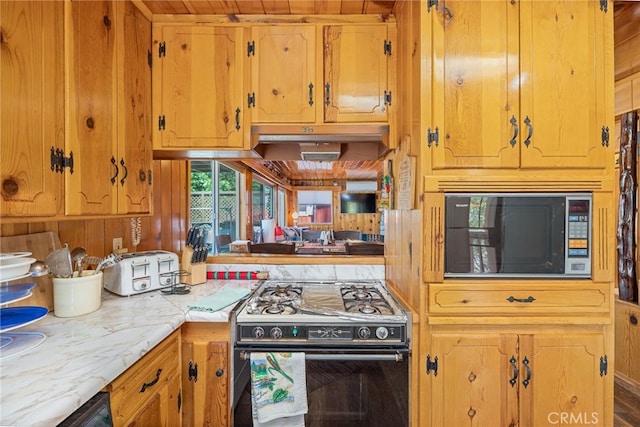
(393, 357)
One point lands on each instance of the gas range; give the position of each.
(324, 314)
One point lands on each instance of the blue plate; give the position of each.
(16, 317)
(15, 292)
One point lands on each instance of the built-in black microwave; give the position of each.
(532, 235)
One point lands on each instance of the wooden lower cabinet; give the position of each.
(628, 341)
(149, 393)
(205, 374)
(487, 377)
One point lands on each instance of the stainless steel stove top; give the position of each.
(333, 313)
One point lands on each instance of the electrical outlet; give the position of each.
(117, 244)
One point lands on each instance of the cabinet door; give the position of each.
(31, 107)
(134, 140)
(564, 379)
(206, 383)
(472, 386)
(475, 84)
(562, 84)
(283, 74)
(198, 87)
(355, 73)
(93, 119)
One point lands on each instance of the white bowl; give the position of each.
(14, 267)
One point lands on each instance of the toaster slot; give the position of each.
(139, 270)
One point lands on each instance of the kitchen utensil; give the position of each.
(59, 262)
(108, 261)
(38, 269)
(78, 256)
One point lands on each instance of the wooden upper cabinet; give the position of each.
(356, 68)
(92, 109)
(109, 93)
(519, 85)
(31, 108)
(199, 86)
(284, 88)
(135, 137)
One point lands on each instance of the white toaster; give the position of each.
(139, 272)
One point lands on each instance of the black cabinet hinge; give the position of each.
(149, 177)
(604, 365)
(162, 49)
(193, 372)
(251, 99)
(59, 161)
(149, 58)
(387, 47)
(387, 97)
(251, 48)
(432, 137)
(432, 366)
(161, 122)
(179, 400)
(605, 136)
(431, 3)
(604, 5)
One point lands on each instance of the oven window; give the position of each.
(348, 394)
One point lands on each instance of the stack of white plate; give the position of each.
(15, 266)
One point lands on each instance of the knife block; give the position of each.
(197, 272)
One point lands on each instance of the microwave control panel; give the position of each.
(578, 236)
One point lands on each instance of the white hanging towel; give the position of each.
(278, 389)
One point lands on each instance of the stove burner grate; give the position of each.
(281, 292)
(365, 300)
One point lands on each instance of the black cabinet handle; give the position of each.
(327, 96)
(115, 165)
(527, 122)
(516, 129)
(310, 93)
(219, 372)
(633, 319)
(524, 300)
(126, 172)
(238, 118)
(514, 365)
(527, 369)
(152, 383)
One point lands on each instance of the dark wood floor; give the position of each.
(626, 405)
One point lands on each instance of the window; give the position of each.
(262, 202)
(315, 207)
(215, 200)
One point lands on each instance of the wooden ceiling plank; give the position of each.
(166, 7)
(302, 7)
(352, 7)
(329, 7)
(250, 7)
(276, 7)
(378, 6)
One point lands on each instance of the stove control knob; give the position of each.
(276, 333)
(382, 333)
(258, 332)
(364, 333)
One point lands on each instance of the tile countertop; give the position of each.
(83, 354)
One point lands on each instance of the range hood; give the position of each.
(324, 142)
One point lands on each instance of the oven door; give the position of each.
(344, 388)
